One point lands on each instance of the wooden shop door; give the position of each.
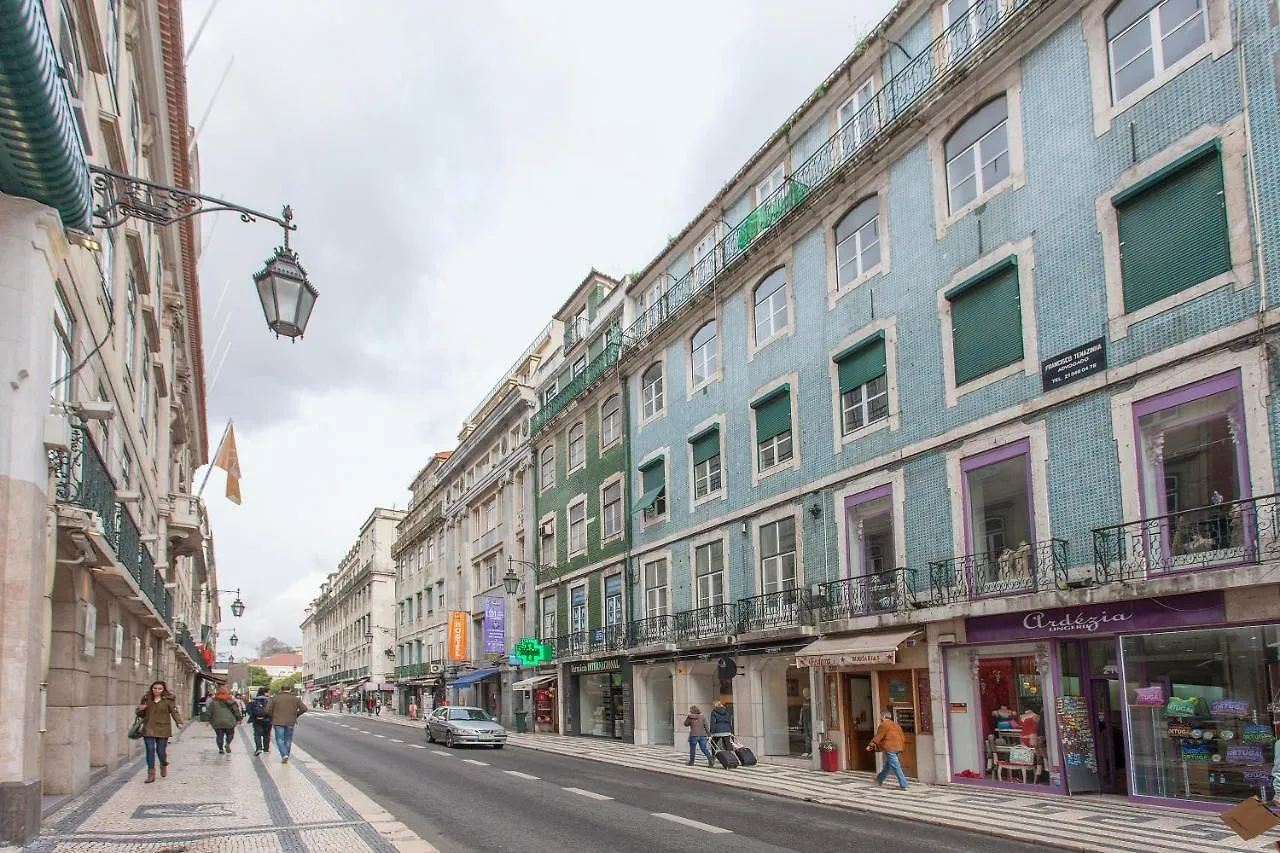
(898, 695)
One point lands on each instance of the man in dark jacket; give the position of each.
(284, 709)
(261, 722)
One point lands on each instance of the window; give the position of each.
(1145, 38)
(966, 23)
(431, 550)
(1192, 466)
(707, 478)
(999, 527)
(773, 428)
(144, 398)
(578, 527)
(577, 446)
(611, 503)
(548, 467)
(977, 153)
(135, 125)
(549, 616)
(656, 600)
(771, 305)
(872, 548)
(64, 335)
(986, 322)
(858, 241)
(653, 482)
(778, 555)
(550, 391)
(862, 371)
(708, 570)
(610, 421)
(578, 610)
(547, 542)
(126, 468)
(705, 358)
(113, 41)
(491, 571)
(130, 326)
(651, 391)
(1173, 229)
(108, 272)
(579, 366)
(859, 118)
(771, 184)
(613, 601)
(704, 258)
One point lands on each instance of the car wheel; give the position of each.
(430, 737)
(448, 739)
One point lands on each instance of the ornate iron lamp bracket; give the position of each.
(126, 197)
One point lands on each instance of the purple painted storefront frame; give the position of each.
(852, 502)
(1020, 447)
(1164, 613)
(1229, 381)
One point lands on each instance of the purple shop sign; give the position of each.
(1091, 620)
(495, 621)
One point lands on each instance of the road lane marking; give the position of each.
(591, 795)
(517, 773)
(476, 763)
(379, 735)
(417, 746)
(362, 731)
(396, 740)
(696, 824)
(440, 752)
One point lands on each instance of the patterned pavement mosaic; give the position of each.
(225, 803)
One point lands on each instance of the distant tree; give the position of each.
(286, 683)
(273, 646)
(258, 677)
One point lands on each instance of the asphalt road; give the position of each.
(477, 800)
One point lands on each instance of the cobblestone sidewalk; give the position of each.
(212, 803)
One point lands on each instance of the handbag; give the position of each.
(135, 730)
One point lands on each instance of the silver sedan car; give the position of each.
(454, 725)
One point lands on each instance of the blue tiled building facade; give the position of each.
(957, 403)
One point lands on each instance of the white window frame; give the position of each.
(605, 598)
(546, 482)
(757, 472)
(792, 512)
(552, 389)
(706, 356)
(859, 246)
(653, 395)
(130, 328)
(657, 597)
(771, 183)
(653, 515)
(888, 327)
(550, 618)
(552, 519)
(577, 543)
(579, 615)
(848, 111)
(1153, 22)
(709, 597)
(702, 249)
(976, 155)
(605, 534)
(64, 347)
(578, 460)
(579, 366)
(774, 333)
(609, 440)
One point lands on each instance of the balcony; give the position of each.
(186, 524)
(1228, 533)
(596, 370)
(704, 623)
(487, 540)
(786, 608)
(882, 592)
(83, 481)
(1031, 567)
(950, 57)
(655, 630)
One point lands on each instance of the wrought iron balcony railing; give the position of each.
(948, 54)
(1030, 567)
(715, 620)
(597, 368)
(188, 644)
(653, 630)
(609, 638)
(881, 592)
(1228, 533)
(785, 608)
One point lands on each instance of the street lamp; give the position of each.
(237, 606)
(235, 641)
(287, 296)
(511, 581)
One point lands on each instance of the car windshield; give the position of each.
(469, 714)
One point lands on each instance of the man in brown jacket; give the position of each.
(284, 709)
(890, 740)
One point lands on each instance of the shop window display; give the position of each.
(997, 701)
(1202, 712)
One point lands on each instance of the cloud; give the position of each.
(455, 169)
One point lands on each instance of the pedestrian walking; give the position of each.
(413, 710)
(697, 726)
(284, 709)
(721, 727)
(377, 705)
(223, 714)
(159, 710)
(890, 740)
(261, 722)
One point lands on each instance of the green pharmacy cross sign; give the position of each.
(531, 651)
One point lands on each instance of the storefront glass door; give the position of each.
(859, 722)
(897, 694)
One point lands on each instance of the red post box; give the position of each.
(830, 759)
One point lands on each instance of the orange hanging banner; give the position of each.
(458, 636)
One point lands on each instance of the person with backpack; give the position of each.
(261, 721)
(223, 714)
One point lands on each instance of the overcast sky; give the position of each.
(455, 168)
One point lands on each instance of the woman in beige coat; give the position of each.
(157, 708)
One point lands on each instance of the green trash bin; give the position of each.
(522, 722)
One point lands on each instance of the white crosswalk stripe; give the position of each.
(591, 795)
(520, 775)
(696, 824)
(441, 752)
(476, 763)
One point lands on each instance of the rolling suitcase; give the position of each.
(745, 756)
(727, 758)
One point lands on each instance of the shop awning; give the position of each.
(530, 683)
(858, 650)
(472, 677)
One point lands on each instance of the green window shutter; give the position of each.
(862, 362)
(594, 608)
(986, 323)
(562, 610)
(773, 413)
(706, 445)
(1174, 234)
(654, 475)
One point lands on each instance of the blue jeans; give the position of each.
(699, 741)
(284, 740)
(156, 747)
(891, 762)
